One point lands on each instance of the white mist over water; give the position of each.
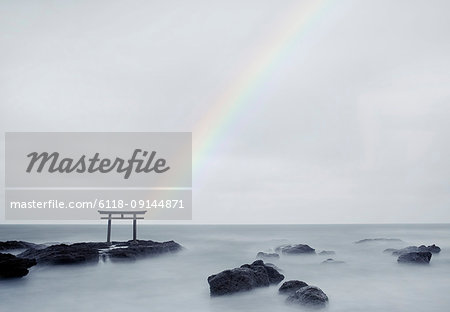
(370, 280)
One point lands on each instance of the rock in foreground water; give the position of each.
(12, 266)
(291, 287)
(415, 257)
(295, 249)
(244, 278)
(310, 296)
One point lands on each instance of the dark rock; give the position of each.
(231, 281)
(273, 266)
(274, 276)
(121, 254)
(432, 248)
(415, 257)
(309, 296)
(12, 245)
(295, 249)
(266, 255)
(12, 266)
(246, 277)
(368, 240)
(327, 252)
(332, 261)
(63, 254)
(93, 245)
(261, 278)
(290, 287)
(90, 252)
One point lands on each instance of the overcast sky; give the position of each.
(351, 126)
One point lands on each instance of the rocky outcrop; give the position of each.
(12, 266)
(79, 253)
(132, 250)
(14, 245)
(244, 278)
(63, 254)
(295, 249)
(267, 255)
(291, 287)
(310, 296)
(415, 257)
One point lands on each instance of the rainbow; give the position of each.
(233, 103)
(237, 99)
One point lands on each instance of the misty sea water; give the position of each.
(369, 280)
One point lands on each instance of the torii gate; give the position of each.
(121, 215)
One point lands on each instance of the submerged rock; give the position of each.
(398, 252)
(332, 261)
(12, 266)
(290, 287)
(327, 253)
(368, 240)
(296, 249)
(89, 252)
(415, 257)
(267, 255)
(432, 248)
(244, 278)
(310, 296)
